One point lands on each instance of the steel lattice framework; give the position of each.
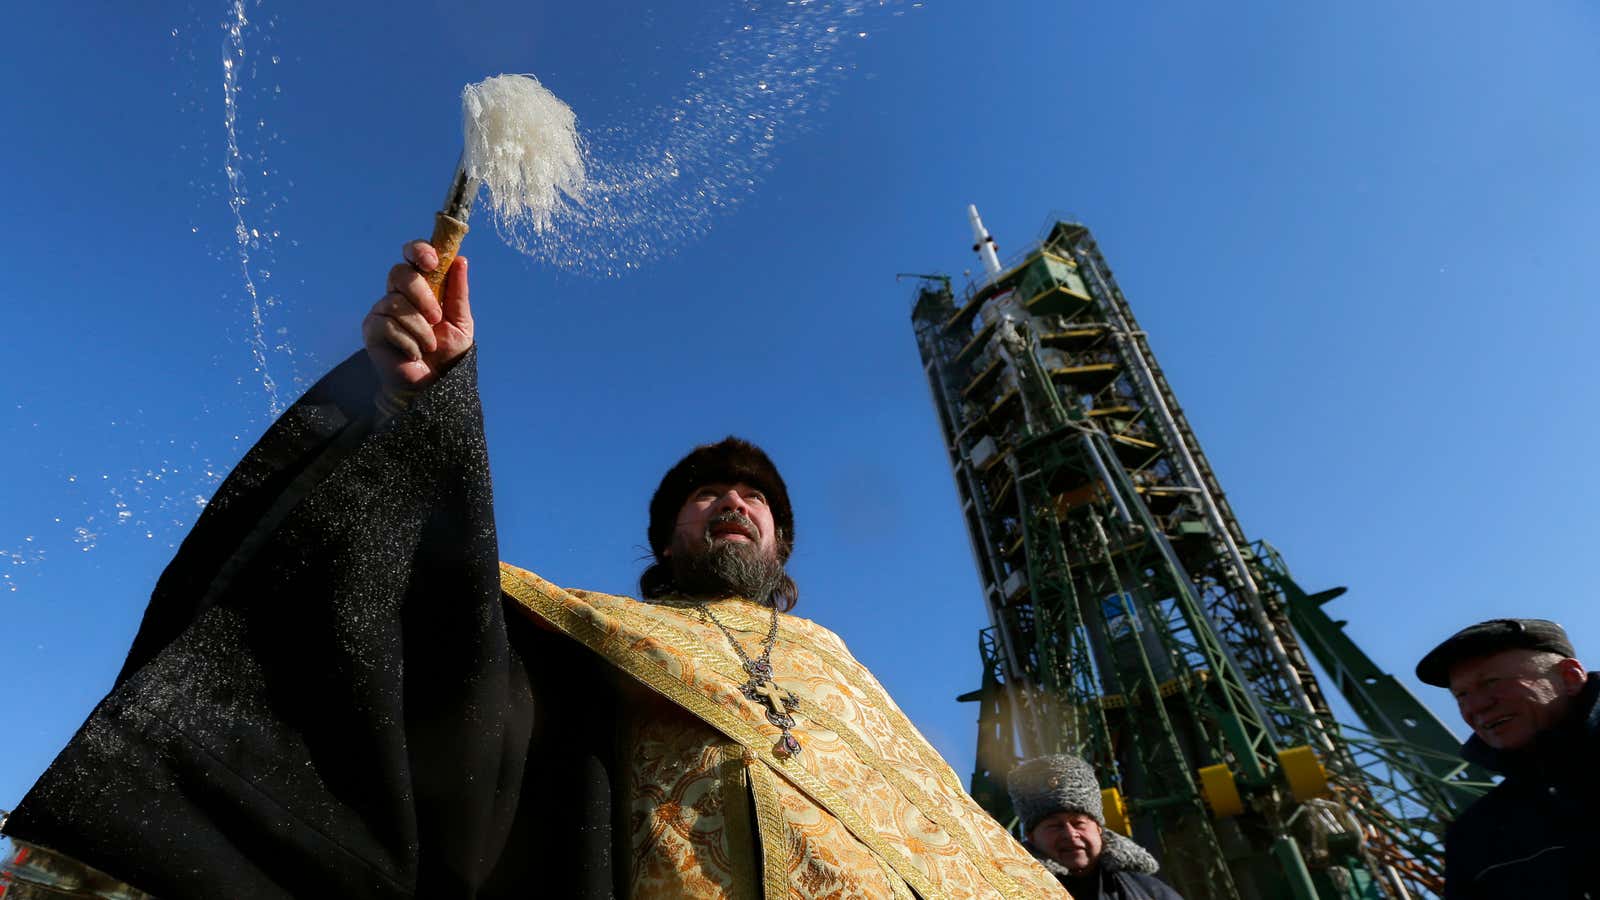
(1133, 622)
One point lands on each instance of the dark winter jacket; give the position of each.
(1126, 871)
(1537, 833)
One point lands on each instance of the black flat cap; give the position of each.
(1489, 637)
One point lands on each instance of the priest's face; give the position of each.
(725, 543)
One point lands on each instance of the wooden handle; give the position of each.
(447, 234)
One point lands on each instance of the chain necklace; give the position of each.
(760, 688)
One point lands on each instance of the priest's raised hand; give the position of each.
(411, 337)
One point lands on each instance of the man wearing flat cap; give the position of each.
(1058, 800)
(339, 691)
(1535, 719)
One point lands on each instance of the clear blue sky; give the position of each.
(1360, 236)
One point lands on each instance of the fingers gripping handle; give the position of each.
(447, 234)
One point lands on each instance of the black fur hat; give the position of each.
(728, 461)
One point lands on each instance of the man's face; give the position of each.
(1509, 697)
(1072, 839)
(725, 542)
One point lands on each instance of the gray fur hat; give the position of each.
(1045, 785)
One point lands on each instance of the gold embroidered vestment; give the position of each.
(867, 810)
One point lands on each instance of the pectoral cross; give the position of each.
(773, 695)
(781, 704)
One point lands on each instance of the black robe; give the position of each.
(325, 697)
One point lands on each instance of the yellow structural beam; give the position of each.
(1221, 791)
(1304, 772)
(1116, 811)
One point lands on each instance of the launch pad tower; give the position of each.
(1133, 622)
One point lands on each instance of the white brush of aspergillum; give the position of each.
(521, 144)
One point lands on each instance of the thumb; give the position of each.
(457, 310)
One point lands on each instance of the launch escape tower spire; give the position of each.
(1132, 620)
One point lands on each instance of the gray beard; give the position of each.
(726, 569)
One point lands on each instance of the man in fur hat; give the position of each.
(339, 691)
(1058, 800)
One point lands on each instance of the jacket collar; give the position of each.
(1119, 854)
(1582, 724)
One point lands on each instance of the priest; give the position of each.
(338, 690)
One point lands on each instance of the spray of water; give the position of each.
(245, 237)
(147, 498)
(625, 195)
(157, 485)
(657, 185)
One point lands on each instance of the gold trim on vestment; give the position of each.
(870, 688)
(774, 841)
(996, 878)
(795, 772)
(596, 637)
(624, 633)
(738, 824)
(896, 884)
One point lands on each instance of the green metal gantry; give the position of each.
(1134, 623)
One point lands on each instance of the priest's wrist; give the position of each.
(391, 400)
